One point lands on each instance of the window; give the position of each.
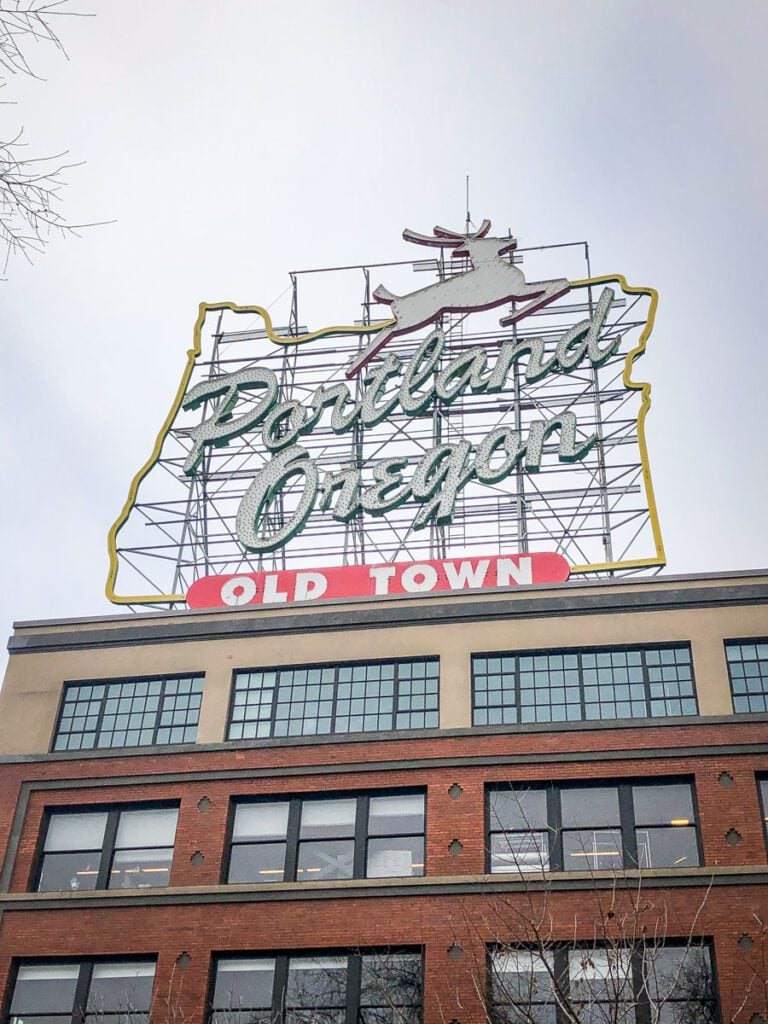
(310, 700)
(115, 848)
(83, 993)
(763, 787)
(670, 983)
(592, 827)
(577, 686)
(313, 840)
(748, 671)
(140, 713)
(372, 988)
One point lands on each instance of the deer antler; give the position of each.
(443, 238)
(481, 232)
(414, 236)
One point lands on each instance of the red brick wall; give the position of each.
(432, 921)
(435, 923)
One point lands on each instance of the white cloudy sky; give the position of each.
(233, 141)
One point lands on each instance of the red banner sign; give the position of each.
(451, 574)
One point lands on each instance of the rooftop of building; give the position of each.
(574, 597)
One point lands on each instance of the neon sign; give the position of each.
(380, 580)
(439, 475)
(500, 407)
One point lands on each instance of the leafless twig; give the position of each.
(30, 187)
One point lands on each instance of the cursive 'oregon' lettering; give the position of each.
(439, 476)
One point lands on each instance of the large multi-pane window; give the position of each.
(316, 839)
(668, 984)
(77, 992)
(370, 988)
(309, 700)
(748, 671)
(592, 827)
(576, 686)
(123, 713)
(114, 848)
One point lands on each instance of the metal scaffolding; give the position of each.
(594, 512)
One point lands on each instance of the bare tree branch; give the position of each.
(30, 187)
(621, 960)
(25, 22)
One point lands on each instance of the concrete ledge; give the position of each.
(447, 885)
(413, 735)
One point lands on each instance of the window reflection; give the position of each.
(116, 990)
(129, 713)
(748, 672)
(143, 848)
(592, 828)
(310, 700)
(116, 848)
(372, 987)
(582, 685)
(337, 838)
(666, 984)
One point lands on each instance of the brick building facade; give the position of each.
(365, 811)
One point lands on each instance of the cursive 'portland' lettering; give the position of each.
(439, 476)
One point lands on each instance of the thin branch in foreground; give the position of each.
(30, 201)
(24, 23)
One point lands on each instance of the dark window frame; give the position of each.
(762, 800)
(162, 678)
(554, 829)
(282, 960)
(83, 984)
(293, 842)
(640, 1001)
(579, 652)
(113, 812)
(742, 641)
(336, 666)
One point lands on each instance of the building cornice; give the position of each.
(660, 594)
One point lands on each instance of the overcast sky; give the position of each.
(231, 142)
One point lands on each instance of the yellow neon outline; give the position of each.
(286, 339)
(192, 354)
(195, 351)
(660, 558)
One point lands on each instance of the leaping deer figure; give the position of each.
(491, 281)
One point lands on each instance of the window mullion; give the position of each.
(273, 709)
(279, 989)
(108, 849)
(335, 696)
(639, 987)
(518, 702)
(647, 685)
(396, 698)
(627, 823)
(158, 713)
(555, 825)
(361, 837)
(560, 964)
(81, 992)
(100, 717)
(292, 839)
(354, 975)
